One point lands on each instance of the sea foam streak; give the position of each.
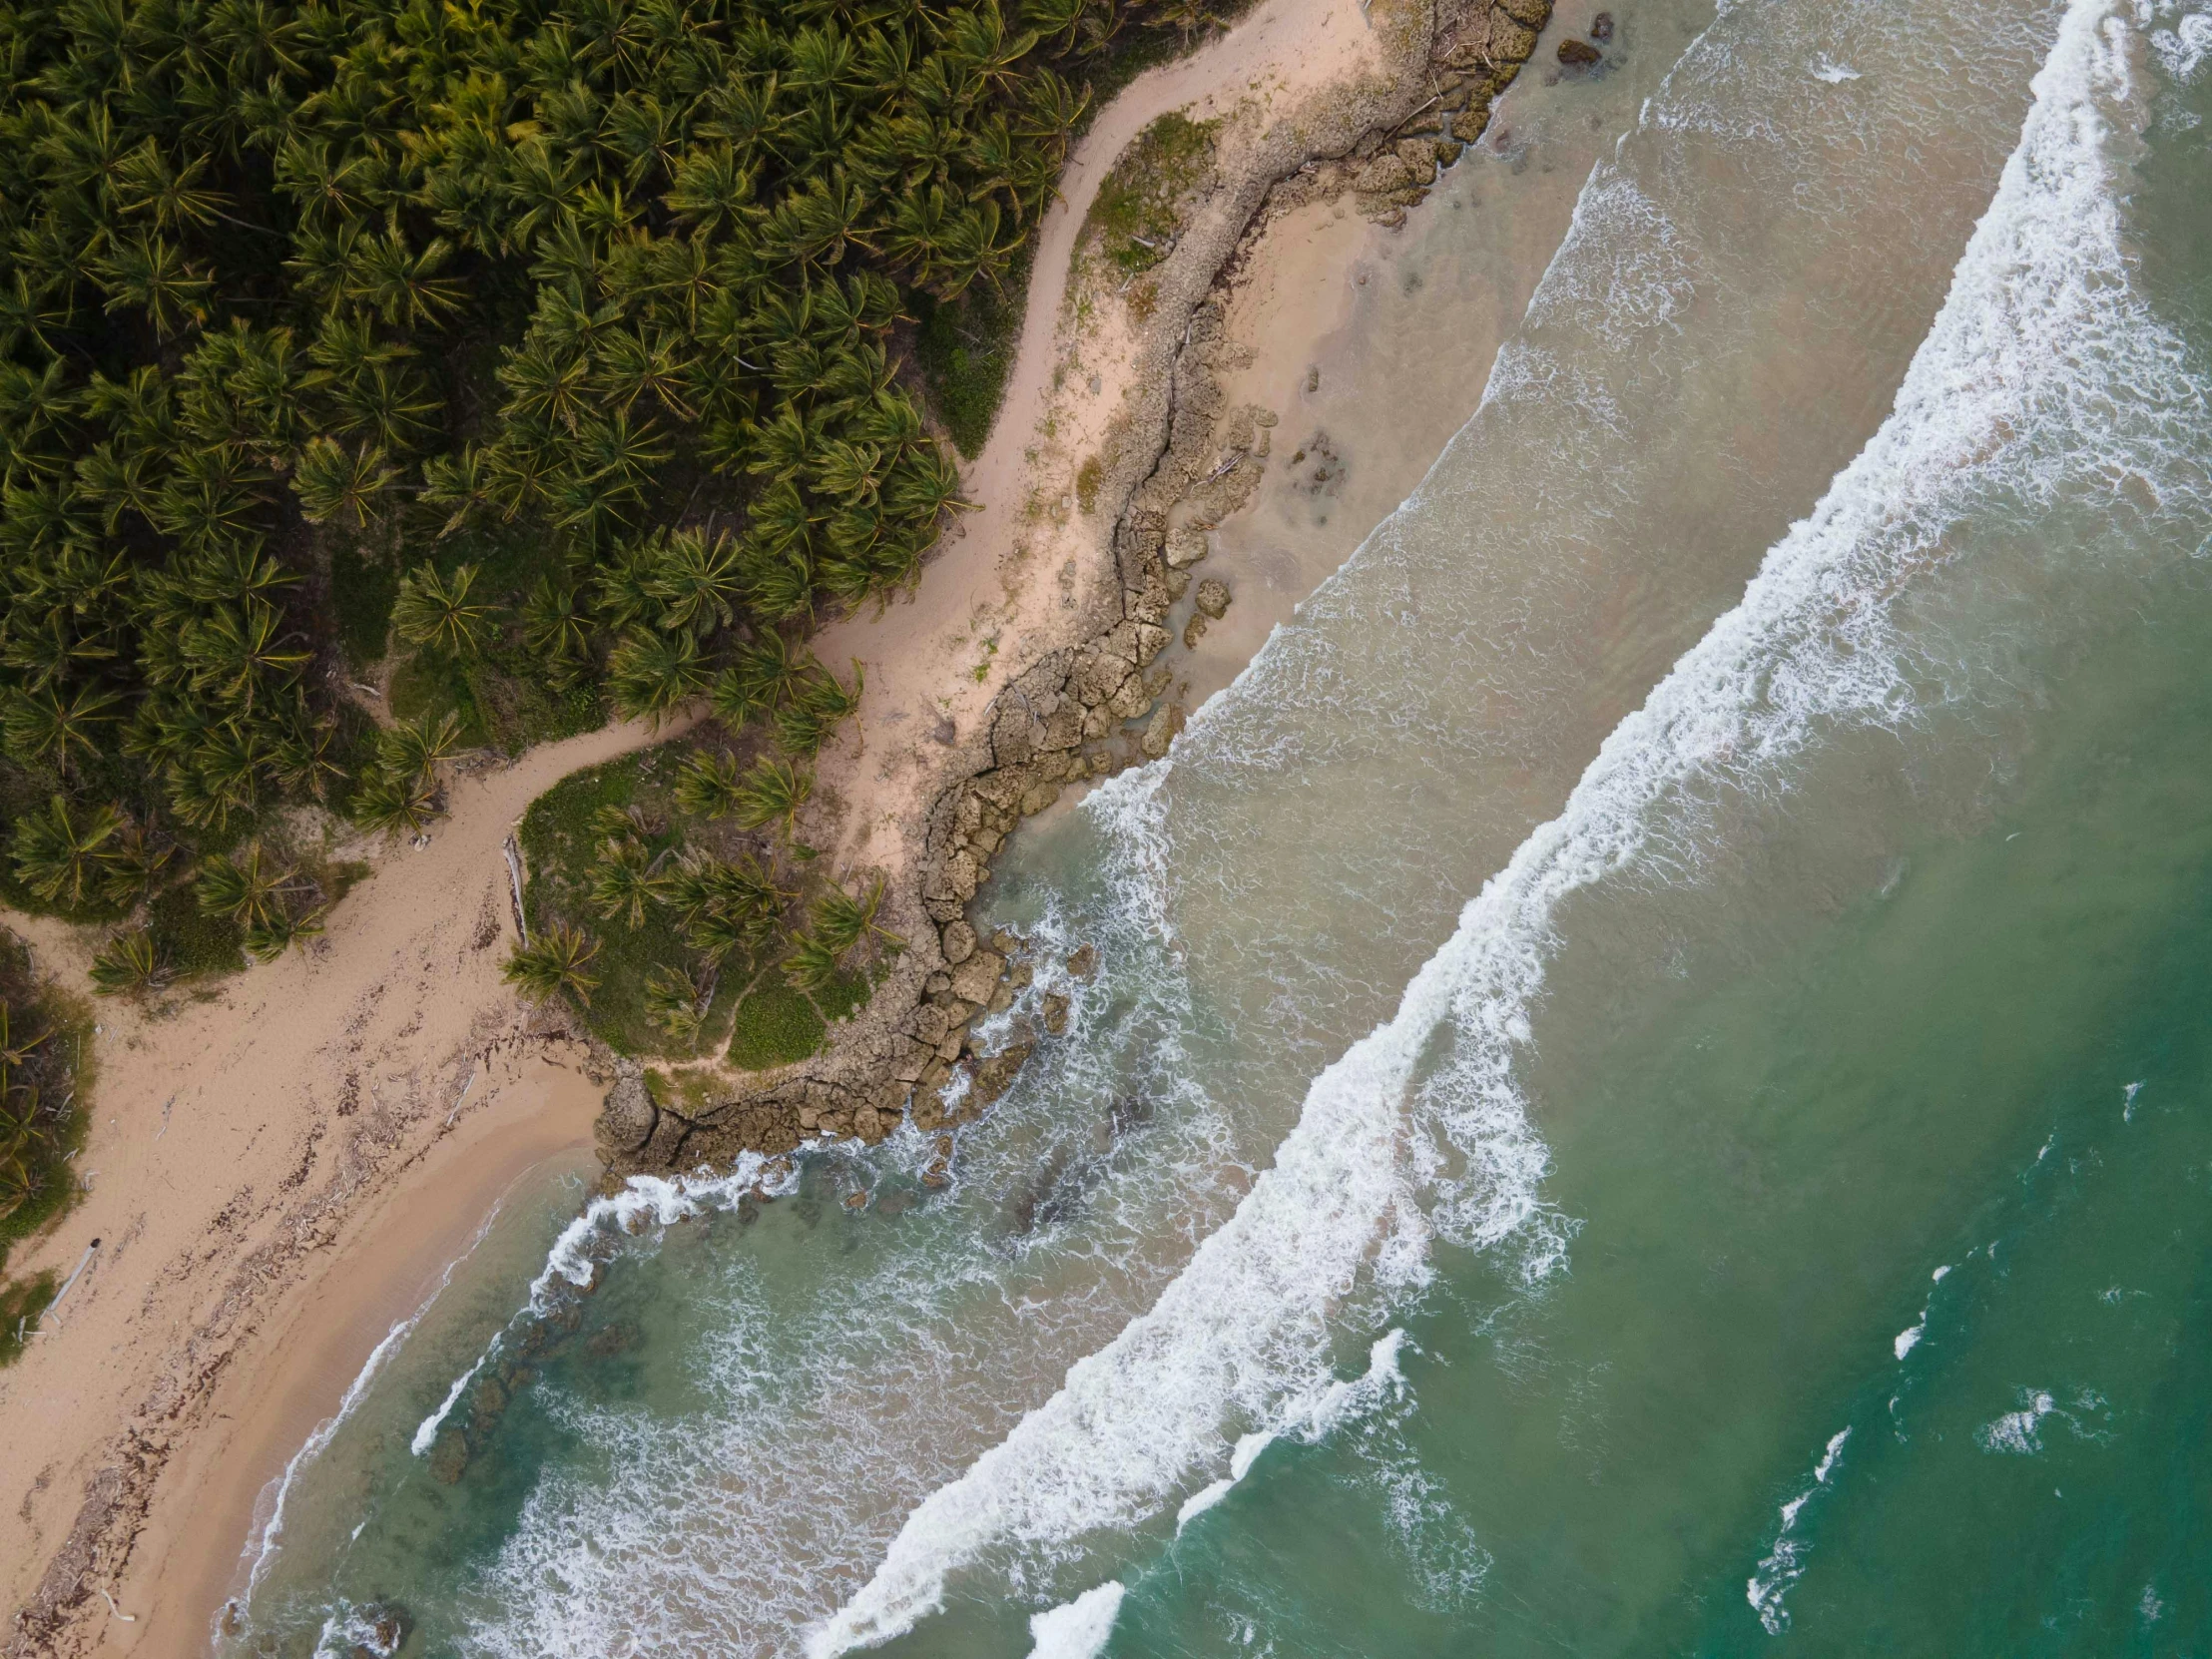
(2011, 394)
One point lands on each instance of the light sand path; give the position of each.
(1013, 579)
(242, 1148)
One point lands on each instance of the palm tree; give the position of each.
(412, 749)
(395, 803)
(552, 627)
(269, 939)
(554, 962)
(622, 879)
(44, 725)
(130, 961)
(439, 612)
(57, 851)
(398, 284)
(341, 484)
(812, 964)
(131, 864)
(708, 783)
(651, 673)
(676, 1003)
(773, 788)
(249, 890)
(696, 579)
(843, 921)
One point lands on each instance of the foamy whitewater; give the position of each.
(2040, 322)
(1797, 658)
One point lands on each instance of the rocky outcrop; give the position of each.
(1187, 461)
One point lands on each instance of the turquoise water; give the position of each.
(1649, 1087)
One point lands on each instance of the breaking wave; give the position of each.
(2043, 385)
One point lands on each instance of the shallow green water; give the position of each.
(1650, 1090)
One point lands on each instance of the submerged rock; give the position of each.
(996, 1075)
(1213, 598)
(1056, 1013)
(448, 1457)
(1578, 54)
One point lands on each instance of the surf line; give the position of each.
(264, 1543)
(2039, 298)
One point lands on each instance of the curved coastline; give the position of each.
(303, 1168)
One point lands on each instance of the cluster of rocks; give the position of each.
(1083, 712)
(1475, 55)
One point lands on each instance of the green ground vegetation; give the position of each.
(1137, 213)
(965, 347)
(555, 352)
(670, 903)
(44, 1080)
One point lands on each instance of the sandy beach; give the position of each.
(331, 1126)
(279, 1171)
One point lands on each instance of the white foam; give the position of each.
(1784, 1565)
(2040, 323)
(2127, 1102)
(1834, 74)
(1080, 1629)
(1311, 1418)
(266, 1540)
(2019, 1432)
(2185, 49)
(657, 1200)
(1910, 1338)
(426, 1431)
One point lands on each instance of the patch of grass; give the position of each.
(1135, 215)
(362, 589)
(427, 685)
(21, 1303)
(61, 1069)
(775, 1026)
(843, 995)
(966, 350)
(503, 699)
(560, 848)
(1087, 479)
(197, 946)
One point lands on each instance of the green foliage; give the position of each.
(44, 1074)
(775, 1026)
(446, 613)
(362, 592)
(1136, 213)
(129, 962)
(196, 944)
(562, 837)
(966, 349)
(773, 793)
(591, 311)
(21, 1303)
(556, 963)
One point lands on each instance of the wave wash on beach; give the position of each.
(1367, 1266)
(2044, 376)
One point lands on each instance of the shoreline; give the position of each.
(240, 1137)
(1071, 672)
(315, 1348)
(234, 1300)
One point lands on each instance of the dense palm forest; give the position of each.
(574, 325)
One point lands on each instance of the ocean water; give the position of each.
(1649, 1088)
